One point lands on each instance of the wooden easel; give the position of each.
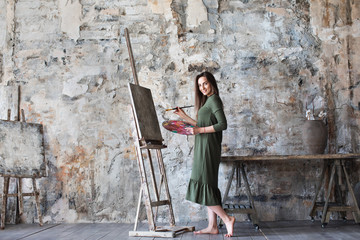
(149, 145)
(19, 195)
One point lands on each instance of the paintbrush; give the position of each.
(169, 109)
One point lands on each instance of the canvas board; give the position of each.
(21, 149)
(9, 100)
(145, 114)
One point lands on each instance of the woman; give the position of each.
(211, 121)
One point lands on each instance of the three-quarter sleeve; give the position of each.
(218, 111)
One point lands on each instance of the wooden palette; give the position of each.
(177, 126)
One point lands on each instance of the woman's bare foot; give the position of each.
(230, 226)
(208, 230)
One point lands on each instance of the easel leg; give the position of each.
(37, 201)
(163, 173)
(20, 197)
(145, 187)
(324, 219)
(4, 201)
(155, 188)
(160, 187)
(138, 209)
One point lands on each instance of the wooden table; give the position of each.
(333, 162)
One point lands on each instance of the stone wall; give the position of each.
(273, 60)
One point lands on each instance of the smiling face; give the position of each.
(205, 87)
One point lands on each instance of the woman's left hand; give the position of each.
(193, 130)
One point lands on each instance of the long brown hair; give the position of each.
(200, 99)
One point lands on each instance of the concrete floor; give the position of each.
(284, 230)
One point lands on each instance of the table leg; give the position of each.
(325, 217)
(233, 208)
(356, 213)
(251, 199)
(320, 184)
(229, 183)
(234, 167)
(339, 191)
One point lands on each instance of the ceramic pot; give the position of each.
(314, 136)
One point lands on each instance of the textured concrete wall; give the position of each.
(271, 59)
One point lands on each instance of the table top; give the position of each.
(349, 156)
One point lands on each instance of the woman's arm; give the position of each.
(184, 116)
(197, 130)
(217, 109)
(221, 124)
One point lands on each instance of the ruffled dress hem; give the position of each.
(203, 194)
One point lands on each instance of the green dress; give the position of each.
(203, 185)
